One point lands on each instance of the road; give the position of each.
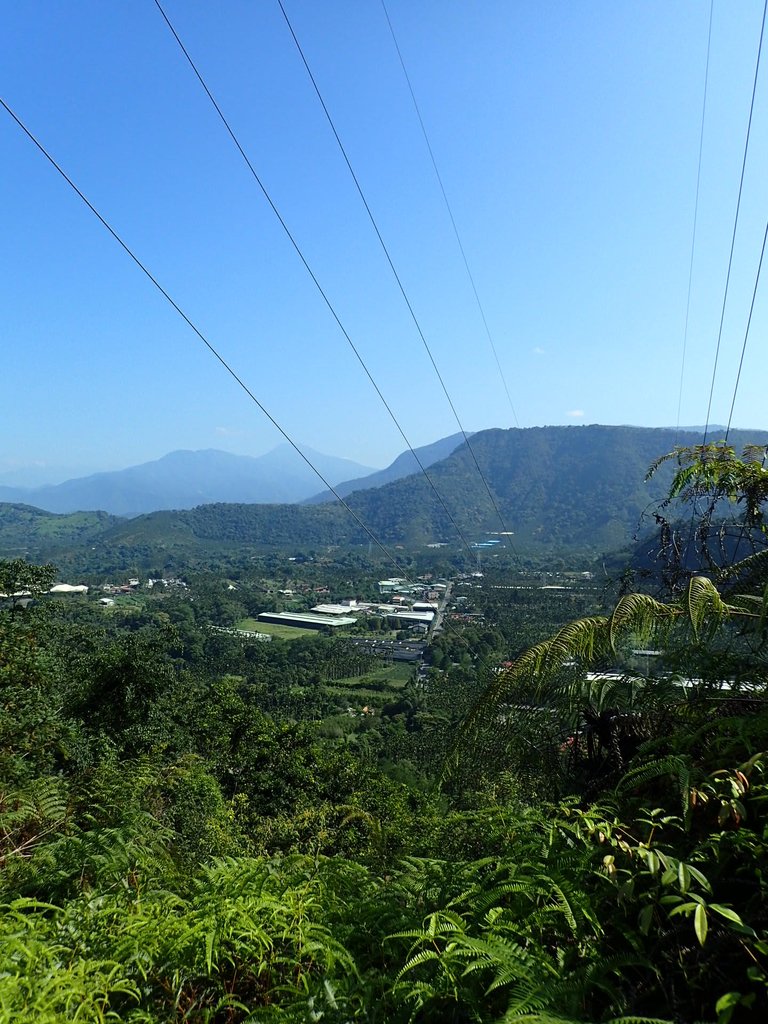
(437, 622)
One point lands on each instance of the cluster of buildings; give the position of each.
(390, 650)
(424, 589)
(410, 605)
(307, 620)
(333, 616)
(120, 588)
(21, 598)
(134, 583)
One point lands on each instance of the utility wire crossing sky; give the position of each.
(567, 141)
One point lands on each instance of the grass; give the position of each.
(275, 629)
(391, 676)
(376, 686)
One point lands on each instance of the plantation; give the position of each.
(193, 828)
(274, 629)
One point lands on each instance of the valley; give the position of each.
(329, 754)
(560, 490)
(361, 661)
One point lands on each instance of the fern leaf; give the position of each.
(702, 599)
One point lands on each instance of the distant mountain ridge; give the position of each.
(557, 488)
(404, 465)
(184, 479)
(568, 486)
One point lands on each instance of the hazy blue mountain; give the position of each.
(404, 465)
(184, 479)
(556, 488)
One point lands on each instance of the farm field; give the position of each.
(374, 687)
(387, 677)
(274, 629)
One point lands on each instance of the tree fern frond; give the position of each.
(683, 478)
(751, 563)
(703, 599)
(584, 639)
(638, 614)
(527, 887)
(639, 1020)
(672, 764)
(423, 957)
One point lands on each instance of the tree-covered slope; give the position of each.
(183, 839)
(570, 486)
(228, 524)
(580, 487)
(29, 532)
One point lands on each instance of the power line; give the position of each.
(229, 369)
(691, 527)
(736, 219)
(391, 264)
(450, 214)
(481, 662)
(312, 274)
(746, 333)
(743, 531)
(211, 348)
(695, 220)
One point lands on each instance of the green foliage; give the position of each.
(557, 488)
(18, 575)
(715, 472)
(725, 534)
(180, 842)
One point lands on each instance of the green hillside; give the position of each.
(31, 533)
(564, 486)
(560, 816)
(578, 487)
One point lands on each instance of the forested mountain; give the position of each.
(541, 824)
(577, 487)
(27, 531)
(572, 486)
(404, 465)
(184, 479)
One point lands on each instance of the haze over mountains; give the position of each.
(184, 479)
(404, 465)
(556, 488)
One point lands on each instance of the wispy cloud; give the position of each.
(575, 414)
(538, 351)
(228, 432)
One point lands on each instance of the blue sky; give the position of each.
(567, 138)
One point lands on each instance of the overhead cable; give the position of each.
(695, 220)
(450, 214)
(736, 219)
(312, 275)
(392, 267)
(746, 333)
(208, 344)
(481, 662)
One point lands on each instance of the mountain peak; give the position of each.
(184, 478)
